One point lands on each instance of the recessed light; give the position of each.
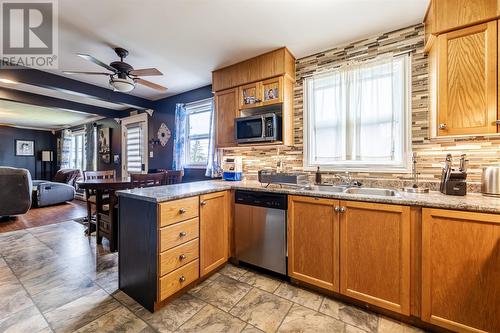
(7, 81)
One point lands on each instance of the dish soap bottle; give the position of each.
(318, 176)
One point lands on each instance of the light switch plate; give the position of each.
(150, 154)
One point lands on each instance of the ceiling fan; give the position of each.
(122, 77)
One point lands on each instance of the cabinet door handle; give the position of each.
(342, 209)
(182, 211)
(442, 126)
(182, 279)
(337, 209)
(182, 233)
(203, 203)
(497, 122)
(182, 257)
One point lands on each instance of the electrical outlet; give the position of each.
(150, 154)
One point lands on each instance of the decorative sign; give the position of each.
(163, 134)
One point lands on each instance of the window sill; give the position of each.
(361, 169)
(195, 167)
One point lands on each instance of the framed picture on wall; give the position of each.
(104, 144)
(25, 148)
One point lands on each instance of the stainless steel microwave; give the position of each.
(258, 128)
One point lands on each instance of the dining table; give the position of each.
(106, 220)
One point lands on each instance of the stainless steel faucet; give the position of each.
(347, 180)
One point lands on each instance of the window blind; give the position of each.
(134, 149)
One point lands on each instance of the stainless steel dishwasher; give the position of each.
(260, 229)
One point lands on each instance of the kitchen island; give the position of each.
(392, 253)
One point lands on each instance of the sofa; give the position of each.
(59, 190)
(15, 191)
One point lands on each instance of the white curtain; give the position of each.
(65, 149)
(213, 169)
(356, 113)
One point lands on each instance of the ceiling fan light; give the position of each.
(121, 85)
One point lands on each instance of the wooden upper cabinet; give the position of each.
(467, 81)
(214, 237)
(375, 254)
(313, 231)
(226, 106)
(461, 270)
(261, 93)
(279, 62)
(446, 15)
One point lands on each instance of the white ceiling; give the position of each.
(187, 39)
(37, 117)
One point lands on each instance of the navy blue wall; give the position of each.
(44, 140)
(165, 112)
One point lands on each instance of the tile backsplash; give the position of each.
(481, 151)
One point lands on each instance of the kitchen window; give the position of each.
(358, 117)
(197, 132)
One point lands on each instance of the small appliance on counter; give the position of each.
(232, 168)
(283, 178)
(490, 181)
(454, 182)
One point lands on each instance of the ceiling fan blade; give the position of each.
(150, 84)
(89, 73)
(96, 61)
(145, 72)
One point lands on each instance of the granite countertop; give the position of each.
(471, 202)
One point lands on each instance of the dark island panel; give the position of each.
(138, 250)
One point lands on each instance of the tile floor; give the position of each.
(53, 279)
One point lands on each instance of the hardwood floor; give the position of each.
(46, 215)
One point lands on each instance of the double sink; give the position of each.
(355, 190)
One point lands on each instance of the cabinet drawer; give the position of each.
(178, 234)
(178, 279)
(178, 210)
(179, 256)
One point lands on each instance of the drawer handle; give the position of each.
(182, 257)
(182, 211)
(182, 279)
(203, 203)
(442, 126)
(182, 234)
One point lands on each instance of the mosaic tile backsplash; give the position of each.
(481, 151)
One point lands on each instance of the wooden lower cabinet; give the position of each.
(313, 249)
(461, 270)
(214, 221)
(178, 279)
(375, 254)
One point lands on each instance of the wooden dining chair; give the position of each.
(148, 180)
(173, 176)
(91, 196)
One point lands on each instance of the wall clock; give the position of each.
(163, 134)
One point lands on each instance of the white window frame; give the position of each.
(343, 166)
(73, 135)
(187, 162)
(141, 118)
